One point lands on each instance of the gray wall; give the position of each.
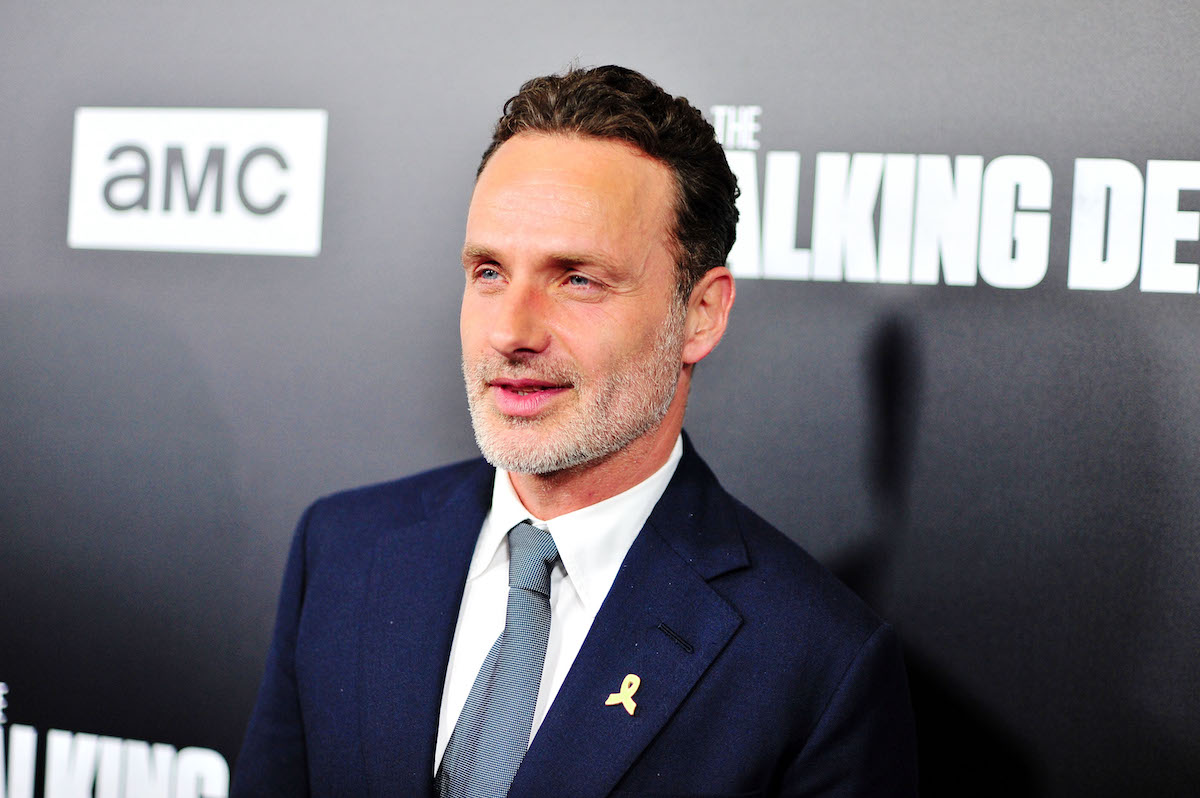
(1005, 474)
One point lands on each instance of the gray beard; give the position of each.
(624, 406)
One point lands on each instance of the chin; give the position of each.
(530, 456)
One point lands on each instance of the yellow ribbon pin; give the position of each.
(625, 697)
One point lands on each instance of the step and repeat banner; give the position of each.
(963, 369)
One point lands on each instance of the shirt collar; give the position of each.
(592, 541)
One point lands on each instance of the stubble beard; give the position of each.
(607, 415)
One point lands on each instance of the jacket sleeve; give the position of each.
(273, 760)
(864, 744)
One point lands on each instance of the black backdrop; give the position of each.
(1004, 473)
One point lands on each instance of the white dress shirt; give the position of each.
(592, 542)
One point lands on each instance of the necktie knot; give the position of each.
(531, 556)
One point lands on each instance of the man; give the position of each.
(590, 614)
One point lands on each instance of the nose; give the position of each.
(518, 328)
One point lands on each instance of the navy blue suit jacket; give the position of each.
(760, 672)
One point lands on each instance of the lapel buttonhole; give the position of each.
(679, 641)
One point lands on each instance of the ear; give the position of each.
(707, 314)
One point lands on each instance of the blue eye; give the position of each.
(488, 273)
(579, 281)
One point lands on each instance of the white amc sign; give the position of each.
(222, 180)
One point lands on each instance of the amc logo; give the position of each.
(225, 180)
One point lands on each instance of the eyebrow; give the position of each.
(572, 259)
(476, 252)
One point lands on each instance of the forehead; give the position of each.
(571, 190)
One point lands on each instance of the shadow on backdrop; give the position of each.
(121, 539)
(962, 749)
(1035, 540)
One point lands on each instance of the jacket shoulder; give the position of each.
(359, 514)
(802, 590)
(411, 493)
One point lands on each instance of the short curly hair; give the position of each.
(612, 102)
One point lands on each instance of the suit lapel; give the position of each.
(411, 610)
(584, 746)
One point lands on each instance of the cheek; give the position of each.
(469, 319)
(604, 351)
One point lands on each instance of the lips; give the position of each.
(524, 386)
(524, 397)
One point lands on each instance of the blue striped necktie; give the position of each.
(492, 733)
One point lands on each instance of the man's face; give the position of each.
(571, 332)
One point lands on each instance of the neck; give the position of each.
(550, 495)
